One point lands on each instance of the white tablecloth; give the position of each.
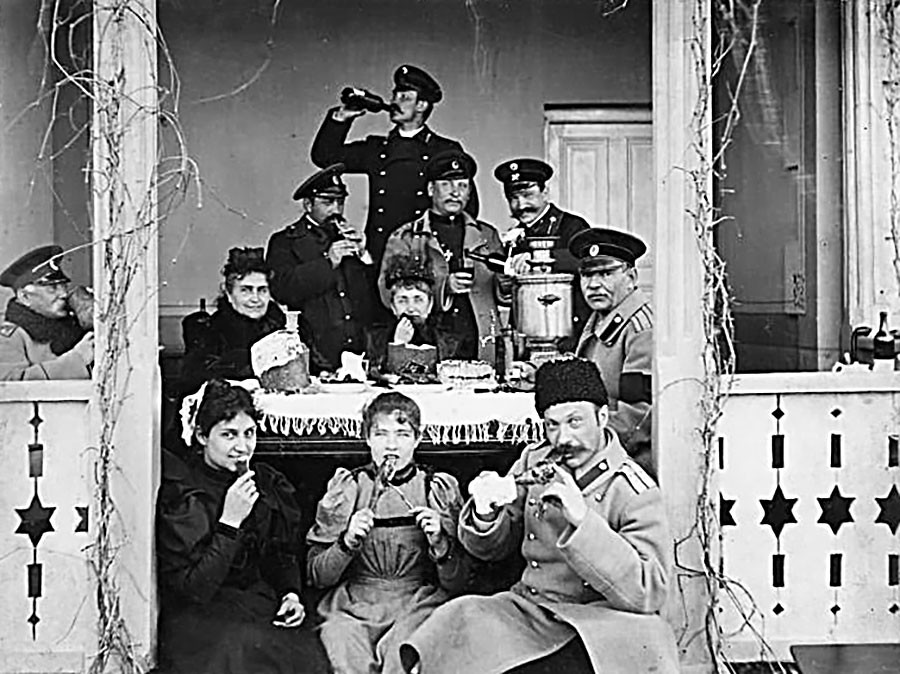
(447, 416)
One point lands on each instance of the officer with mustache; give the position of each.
(40, 338)
(322, 267)
(618, 335)
(525, 187)
(465, 294)
(594, 537)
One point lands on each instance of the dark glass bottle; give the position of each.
(363, 99)
(195, 328)
(883, 341)
(494, 261)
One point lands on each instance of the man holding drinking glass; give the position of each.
(466, 291)
(321, 267)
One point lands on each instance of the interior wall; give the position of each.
(25, 202)
(499, 63)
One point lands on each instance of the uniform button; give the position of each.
(419, 193)
(341, 294)
(534, 564)
(532, 590)
(384, 173)
(381, 210)
(419, 212)
(531, 536)
(383, 156)
(532, 501)
(420, 173)
(347, 317)
(380, 191)
(424, 157)
(381, 229)
(585, 583)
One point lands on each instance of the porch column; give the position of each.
(126, 374)
(678, 365)
(871, 275)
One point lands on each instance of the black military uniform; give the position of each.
(518, 174)
(395, 165)
(336, 301)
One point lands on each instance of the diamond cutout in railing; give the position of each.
(778, 413)
(36, 420)
(34, 620)
(778, 609)
(834, 609)
(836, 412)
(894, 608)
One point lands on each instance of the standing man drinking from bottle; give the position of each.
(395, 163)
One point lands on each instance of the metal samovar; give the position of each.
(542, 303)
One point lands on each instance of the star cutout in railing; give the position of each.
(835, 509)
(889, 509)
(778, 511)
(35, 520)
(725, 516)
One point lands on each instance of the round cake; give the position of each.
(281, 361)
(466, 373)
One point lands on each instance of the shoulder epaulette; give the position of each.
(636, 476)
(7, 329)
(642, 319)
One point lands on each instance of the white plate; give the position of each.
(343, 387)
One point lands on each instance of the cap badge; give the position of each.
(514, 167)
(594, 250)
(514, 177)
(53, 264)
(403, 70)
(455, 164)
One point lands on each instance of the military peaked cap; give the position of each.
(449, 165)
(36, 266)
(411, 77)
(517, 174)
(601, 247)
(325, 183)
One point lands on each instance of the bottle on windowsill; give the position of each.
(883, 346)
(195, 328)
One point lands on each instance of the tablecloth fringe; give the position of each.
(456, 434)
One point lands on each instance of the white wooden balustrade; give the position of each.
(47, 612)
(808, 474)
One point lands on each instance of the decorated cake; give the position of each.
(411, 359)
(466, 374)
(281, 361)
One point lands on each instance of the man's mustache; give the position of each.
(565, 451)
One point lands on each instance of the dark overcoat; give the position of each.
(337, 301)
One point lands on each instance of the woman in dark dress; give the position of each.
(245, 313)
(230, 549)
(410, 284)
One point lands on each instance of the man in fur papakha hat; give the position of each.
(591, 526)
